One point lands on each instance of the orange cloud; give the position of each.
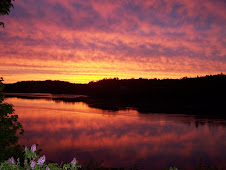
(114, 39)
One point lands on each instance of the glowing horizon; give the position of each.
(82, 41)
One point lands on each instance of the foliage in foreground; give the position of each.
(5, 6)
(9, 128)
(35, 162)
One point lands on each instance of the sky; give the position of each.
(87, 40)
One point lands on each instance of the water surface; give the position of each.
(122, 139)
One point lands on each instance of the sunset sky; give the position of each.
(88, 40)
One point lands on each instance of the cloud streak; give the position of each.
(143, 38)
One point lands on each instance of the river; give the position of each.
(122, 138)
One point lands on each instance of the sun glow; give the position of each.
(87, 41)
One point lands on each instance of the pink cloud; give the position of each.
(114, 32)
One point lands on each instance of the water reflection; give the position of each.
(121, 139)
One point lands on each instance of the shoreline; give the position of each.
(142, 105)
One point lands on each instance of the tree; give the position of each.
(5, 6)
(9, 128)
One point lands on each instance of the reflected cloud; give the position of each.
(127, 139)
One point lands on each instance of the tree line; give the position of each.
(208, 88)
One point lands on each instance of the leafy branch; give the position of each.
(5, 6)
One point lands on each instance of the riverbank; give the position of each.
(142, 105)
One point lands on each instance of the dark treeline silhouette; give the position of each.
(202, 94)
(48, 86)
(186, 88)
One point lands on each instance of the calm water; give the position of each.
(122, 139)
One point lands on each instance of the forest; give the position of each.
(186, 95)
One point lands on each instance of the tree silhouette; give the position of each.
(9, 128)
(5, 6)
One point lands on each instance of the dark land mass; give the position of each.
(200, 95)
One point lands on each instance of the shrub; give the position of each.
(35, 162)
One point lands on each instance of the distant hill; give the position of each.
(185, 87)
(186, 95)
(213, 86)
(48, 86)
